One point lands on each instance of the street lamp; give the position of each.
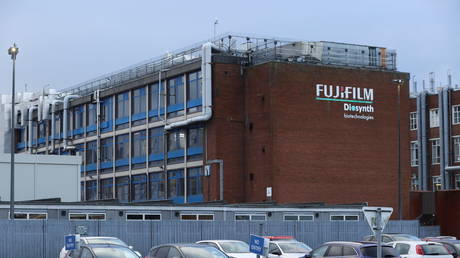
(13, 52)
(399, 82)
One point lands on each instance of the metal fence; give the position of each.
(46, 238)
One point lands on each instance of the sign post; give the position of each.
(377, 218)
(258, 245)
(72, 242)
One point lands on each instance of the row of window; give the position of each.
(436, 182)
(434, 117)
(181, 93)
(435, 151)
(79, 216)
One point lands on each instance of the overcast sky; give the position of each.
(63, 43)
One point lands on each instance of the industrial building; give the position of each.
(236, 118)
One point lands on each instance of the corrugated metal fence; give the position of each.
(46, 238)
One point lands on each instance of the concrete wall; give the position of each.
(41, 177)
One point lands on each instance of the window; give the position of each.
(436, 183)
(349, 251)
(197, 216)
(139, 187)
(194, 186)
(122, 105)
(122, 184)
(402, 248)
(155, 96)
(457, 181)
(106, 109)
(106, 188)
(194, 86)
(320, 252)
(156, 141)
(294, 217)
(142, 216)
(78, 117)
(176, 140)
(334, 250)
(91, 152)
(107, 150)
(176, 90)
(344, 218)
(414, 153)
(256, 217)
(456, 114)
(30, 215)
(91, 190)
(139, 104)
(456, 148)
(91, 114)
(157, 186)
(138, 145)
(413, 120)
(122, 147)
(434, 117)
(435, 151)
(86, 216)
(195, 137)
(414, 183)
(175, 183)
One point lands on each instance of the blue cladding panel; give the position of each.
(122, 162)
(176, 107)
(195, 198)
(178, 199)
(175, 154)
(138, 116)
(194, 103)
(122, 120)
(91, 128)
(137, 160)
(155, 112)
(21, 145)
(195, 150)
(107, 164)
(41, 140)
(78, 131)
(91, 167)
(155, 157)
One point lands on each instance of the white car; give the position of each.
(232, 248)
(97, 240)
(286, 247)
(421, 249)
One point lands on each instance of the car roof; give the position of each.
(222, 240)
(414, 242)
(183, 245)
(355, 243)
(446, 241)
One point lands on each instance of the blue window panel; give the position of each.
(135, 182)
(175, 107)
(154, 112)
(175, 154)
(121, 162)
(91, 128)
(122, 120)
(177, 199)
(82, 169)
(78, 131)
(41, 140)
(156, 157)
(107, 164)
(195, 198)
(106, 126)
(91, 167)
(194, 103)
(138, 116)
(21, 145)
(195, 150)
(34, 142)
(137, 160)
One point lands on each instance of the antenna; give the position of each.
(216, 21)
(432, 81)
(449, 78)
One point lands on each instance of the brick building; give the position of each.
(282, 121)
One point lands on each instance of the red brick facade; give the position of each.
(271, 131)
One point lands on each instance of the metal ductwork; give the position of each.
(67, 100)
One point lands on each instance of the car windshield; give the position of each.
(202, 252)
(434, 250)
(234, 247)
(114, 241)
(371, 251)
(404, 237)
(294, 247)
(457, 246)
(114, 252)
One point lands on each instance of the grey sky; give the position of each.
(63, 43)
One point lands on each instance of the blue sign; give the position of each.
(257, 244)
(70, 242)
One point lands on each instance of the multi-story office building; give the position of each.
(274, 121)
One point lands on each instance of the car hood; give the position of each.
(292, 255)
(242, 255)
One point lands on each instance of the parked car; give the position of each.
(453, 246)
(421, 249)
(439, 238)
(356, 249)
(391, 237)
(97, 240)
(286, 247)
(185, 251)
(102, 251)
(233, 248)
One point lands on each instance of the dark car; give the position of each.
(102, 251)
(185, 251)
(356, 249)
(452, 245)
(391, 237)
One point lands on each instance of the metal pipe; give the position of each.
(53, 121)
(446, 136)
(452, 168)
(65, 118)
(441, 112)
(419, 141)
(13, 51)
(423, 130)
(31, 111)
(221, 175)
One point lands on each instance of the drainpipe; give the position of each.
(53, 121)
(446, 136)
(31, 111)
(206, 90)
(65, 118)
(40, 108)
(221, 176)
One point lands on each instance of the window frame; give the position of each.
(435, 159)
(87, 214)
(455, 114)
(456, 148)
(143, 216)
(28, 213)
(197, 216)
(414, 153)
(434, 117)
(298, 217)
(250, 216)
(413, 121)
(344, 217)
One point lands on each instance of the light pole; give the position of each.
(12, 51)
